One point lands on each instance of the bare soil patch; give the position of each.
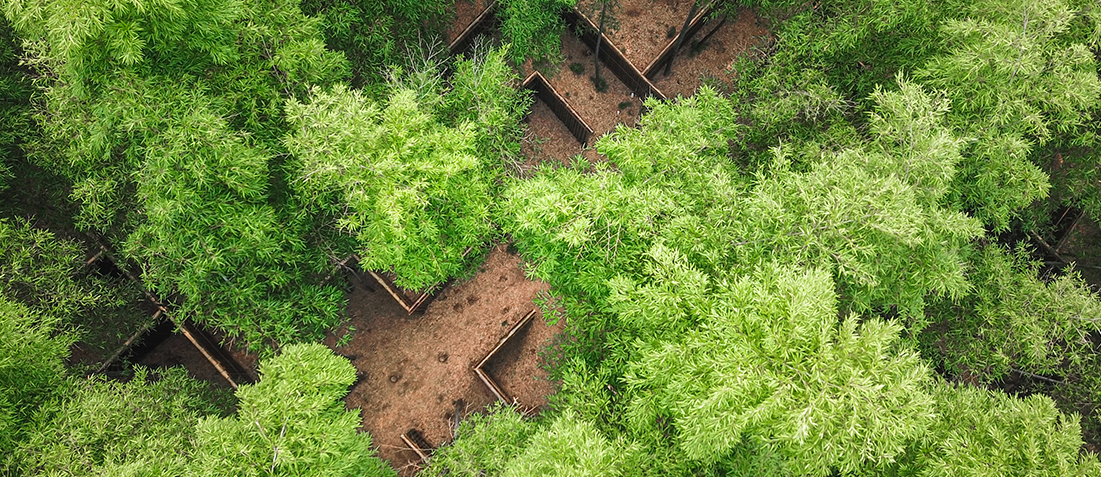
(414, 371)
(547, 138)
(644, 26)
(712, 60)
(601, 110)
(465, 13)
(178, 351)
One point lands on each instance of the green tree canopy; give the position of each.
(412, 180)
(292, 422)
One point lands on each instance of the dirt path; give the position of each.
(413, 370)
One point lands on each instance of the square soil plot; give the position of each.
(547, 139)
(714, 57)
(515, 366)
(644, 26)
(602, 111)
(415, 371)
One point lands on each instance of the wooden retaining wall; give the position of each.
(613, 59)
(561, 108)
(488, 380)
(226, 365)
(666, 54)
(482, 23)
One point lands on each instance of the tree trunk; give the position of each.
(680, 36)
(599, 40)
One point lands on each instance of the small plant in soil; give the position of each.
(600, 84)
(696, 48)
(626, 104)
(577, 68)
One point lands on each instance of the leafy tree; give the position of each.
(484, 444)
(39, 270)
(292, 422)
(32, 370)
(533, 27)
(1014, 78)
(164, 118)
(15, 95)
(145, 426)
(1014, 321)
(208, 232)
(412, 181)
(988, 433)
(569, 446)
(376, 35)
(767, 366)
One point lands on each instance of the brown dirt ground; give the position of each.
(547, 138)
(414, 369)
(690, 68)
(643, 26)
(600, 110)
(465, 13)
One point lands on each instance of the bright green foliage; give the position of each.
(416, 195)
(1013, 320)
(37, 270)
(32, 369)
(15, 95)
(1015, 79)
(292, 422)
(251, 53)
(412, 183)
(853, 45)
(484, 444)
(483, 91)
(582, 227)
(768, 366)
(534, 27)
(143, 427)
(154, 111)
(569, 447)
(984, 433)
(209, 234)
(375, 35)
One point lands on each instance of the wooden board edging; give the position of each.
(484, 376)
(480, 24)
(667, 53)
(561, 108)
(613, 58)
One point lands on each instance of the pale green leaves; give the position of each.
(292, 422)
(569, 447)
(1014, 79)
(769, 365)
(982, 433)
(410, 190)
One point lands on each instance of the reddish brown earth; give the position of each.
(177, 351)
(714, 59)
(415, 369)
(643, 26)
(465, 13)
(600, 110)
(547, 138)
